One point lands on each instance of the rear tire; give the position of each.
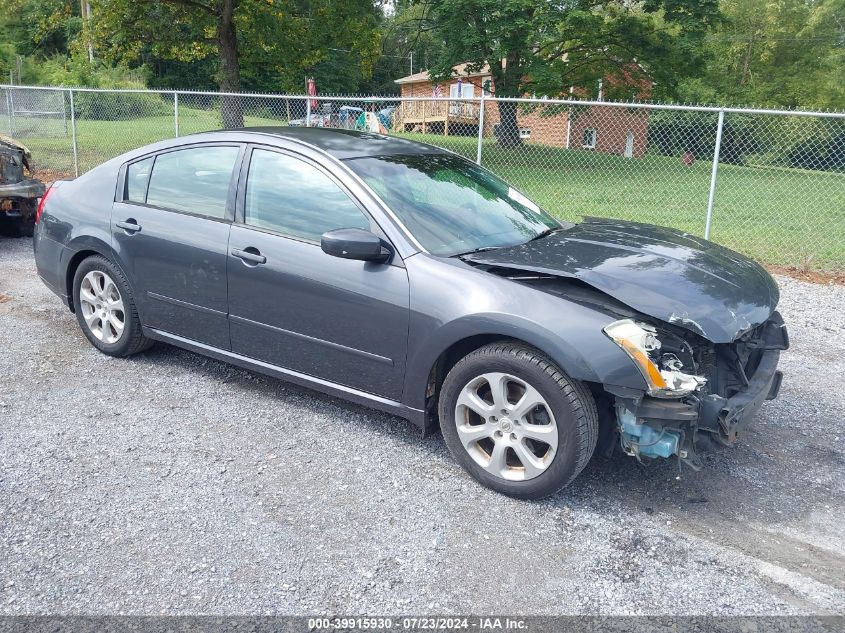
(16, 227)
(516, 422)
(26, 223)
(22, 225)
(105, 308)
(26, 228)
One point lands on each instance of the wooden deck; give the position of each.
(426, 113)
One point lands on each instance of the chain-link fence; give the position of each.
(768, 183)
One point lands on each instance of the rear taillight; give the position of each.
(41, 204)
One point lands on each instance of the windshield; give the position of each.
(450, 205)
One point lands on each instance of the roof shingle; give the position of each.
(458, 71)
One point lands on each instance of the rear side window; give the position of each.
(193, 180)
(295, 198)
(136, 179)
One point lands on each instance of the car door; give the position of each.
(291, 304)
(170, 230)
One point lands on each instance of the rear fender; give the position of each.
(75, 252)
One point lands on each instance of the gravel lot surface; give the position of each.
(170, 483)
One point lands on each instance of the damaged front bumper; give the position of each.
(653, 427)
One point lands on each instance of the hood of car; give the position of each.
(667, 274)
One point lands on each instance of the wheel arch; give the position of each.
(81, 250)
(453, 341)
(73, 264)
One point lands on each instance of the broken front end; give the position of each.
(699, 393)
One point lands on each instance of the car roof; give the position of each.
(343, 144)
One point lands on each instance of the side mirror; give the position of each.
(354, 244)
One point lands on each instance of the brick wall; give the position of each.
(612, 126)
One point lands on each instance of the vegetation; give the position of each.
(788, 53)
(279, 38)
(808, 143)
(230, 45)
(788, 217)
(546, 47)
(780, 216)
(784, 54)
(780, 188)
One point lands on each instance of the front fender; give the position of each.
(453, 304)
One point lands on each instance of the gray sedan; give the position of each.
(406, 278)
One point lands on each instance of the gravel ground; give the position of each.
(170, 483)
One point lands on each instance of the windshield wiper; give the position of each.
(480, 249)
(545, 233)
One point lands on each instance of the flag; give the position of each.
(438, 91)
(312, 91)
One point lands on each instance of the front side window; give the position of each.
(288, 195)
(590, 138)
(194, 180)
(451, 205)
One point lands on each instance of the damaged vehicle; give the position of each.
(406, 278)
(18, 194)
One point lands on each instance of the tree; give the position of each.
(185, 30)
(40, 27)
(784, 53)
(403, 46)
(546, 46)
(286, 37)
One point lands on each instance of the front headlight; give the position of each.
(662, 372)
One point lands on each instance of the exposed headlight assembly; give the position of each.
(662, 372)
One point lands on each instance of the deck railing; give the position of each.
(417, 111)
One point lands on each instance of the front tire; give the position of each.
(105, 308)
(516, 422)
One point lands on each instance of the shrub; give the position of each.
(110, 106)
(103, 106)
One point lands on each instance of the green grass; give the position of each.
(787, 217)
(98, 141)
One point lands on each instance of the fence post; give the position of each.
(11, 101)
(9, 111)
(716, 150)
(480, 127)
(73, 136)
(308, 112)
(176, 112)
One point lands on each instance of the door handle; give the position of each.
(129, 225)
(249, 255)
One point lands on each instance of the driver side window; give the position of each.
(293, 197)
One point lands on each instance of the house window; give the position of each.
(462, 108)
(525, 133)
(464, 90)
(590, 137)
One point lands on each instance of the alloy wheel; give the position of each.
(102, 306)
(506, 426)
